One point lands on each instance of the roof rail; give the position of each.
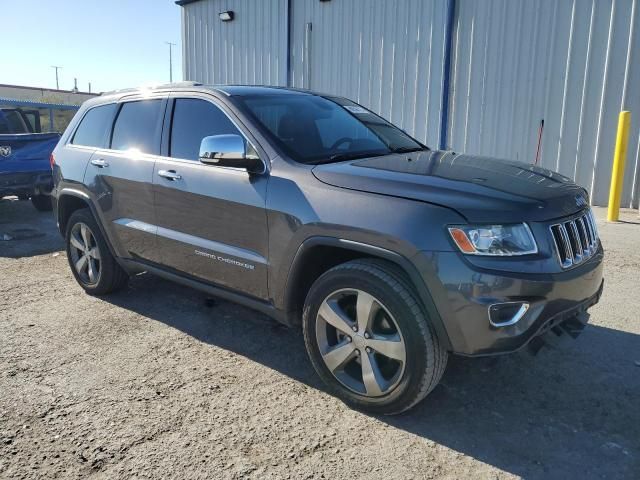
(186, 83)
(154, 87)
(120, 90)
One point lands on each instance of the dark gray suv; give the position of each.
(315, 211)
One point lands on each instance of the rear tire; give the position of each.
(42, 203)
(90, 259)
(394, 359)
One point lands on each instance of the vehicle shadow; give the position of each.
(25, 232)
(568, 412)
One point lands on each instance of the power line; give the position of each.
(57, 68)
(171, 45)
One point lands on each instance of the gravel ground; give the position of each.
(159, 382)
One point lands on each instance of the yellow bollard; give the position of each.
(619, 159)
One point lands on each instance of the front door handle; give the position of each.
(169, 174)
(99, 162)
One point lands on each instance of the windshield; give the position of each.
(314, 129)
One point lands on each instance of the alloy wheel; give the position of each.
(360, 342)
(85, 254)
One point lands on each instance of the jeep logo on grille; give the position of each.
(581, 201)
(5, 150)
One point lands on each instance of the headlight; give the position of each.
(495, 240)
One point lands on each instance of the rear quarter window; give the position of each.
(92, 131)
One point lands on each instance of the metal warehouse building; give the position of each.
(467, 75)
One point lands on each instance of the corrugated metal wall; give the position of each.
(249, 50)
(573, 63)
(386, 55)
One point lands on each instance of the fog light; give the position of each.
(508, 313)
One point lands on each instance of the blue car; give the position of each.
(25, 170)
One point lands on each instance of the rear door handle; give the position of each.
(169, 174)
(99, 162)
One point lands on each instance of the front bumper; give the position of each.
(26, 184)
(463, 293)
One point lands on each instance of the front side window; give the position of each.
(136, 127)
(194, 119)
(315, 129)
(92, 130)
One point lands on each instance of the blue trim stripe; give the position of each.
(446, 78)
(288, 80)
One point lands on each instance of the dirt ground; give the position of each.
(155, 382)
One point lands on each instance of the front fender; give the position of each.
(299, 265)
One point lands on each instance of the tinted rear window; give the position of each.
(11, 121)
(137, 127)
(92, 131)
(193, 120)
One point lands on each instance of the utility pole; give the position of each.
(170, 61)
(57, 68)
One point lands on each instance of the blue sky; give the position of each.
(110, 43)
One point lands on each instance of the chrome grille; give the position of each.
(576, 239)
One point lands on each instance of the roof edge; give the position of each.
(46, 89)
(185, 2)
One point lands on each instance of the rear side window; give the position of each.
(92, 130)
(137, 127)
(193, 120)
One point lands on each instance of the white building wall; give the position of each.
(251, 49)
(386, 55)
(573, 63)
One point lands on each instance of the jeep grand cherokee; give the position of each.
(315, 211)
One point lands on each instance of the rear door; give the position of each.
(120, 175)
(211, 220)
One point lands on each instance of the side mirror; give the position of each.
(227, 151)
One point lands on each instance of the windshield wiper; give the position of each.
(339, 157)
(408, 149)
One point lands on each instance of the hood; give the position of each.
(482, 189)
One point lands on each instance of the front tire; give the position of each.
(42, 203)
(90, 259)
(369, 339)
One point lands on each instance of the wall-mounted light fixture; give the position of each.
(226, 16)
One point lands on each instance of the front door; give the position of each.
(211, 220)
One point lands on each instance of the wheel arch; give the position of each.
(70, 200)
(316, 255)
